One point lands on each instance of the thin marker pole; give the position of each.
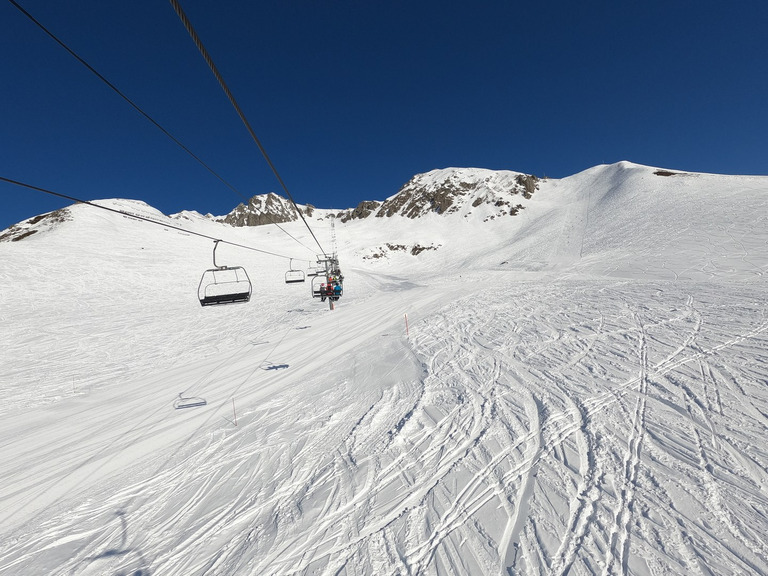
(234, 411)
(406, 325)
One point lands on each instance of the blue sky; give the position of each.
(351, 99)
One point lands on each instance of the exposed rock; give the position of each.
(40, 223)
(453, 190)
(528, 182)
(262, 209)
(363, 210)
(387, 249)
(443, 192)
(668, 173)
(418, 249)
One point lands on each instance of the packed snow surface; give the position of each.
(578, 389)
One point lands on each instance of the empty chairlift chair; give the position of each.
(188, 402)
(224, 284)
(294, 276)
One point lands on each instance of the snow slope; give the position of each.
(583, 389)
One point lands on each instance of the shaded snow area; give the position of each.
(578, 389)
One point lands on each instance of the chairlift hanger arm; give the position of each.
(216, 245)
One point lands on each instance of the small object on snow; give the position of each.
(189, 402)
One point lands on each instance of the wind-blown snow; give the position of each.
(583, 389)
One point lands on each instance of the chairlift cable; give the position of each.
(207, 57)
(143, 218)
(147, 116)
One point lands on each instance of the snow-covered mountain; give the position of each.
(452, 191)
(264, 209)
(446, 191)
(523, 377)
(456, 190)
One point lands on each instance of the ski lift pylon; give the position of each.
(223, 284)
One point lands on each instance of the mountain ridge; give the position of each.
(533, 394)
(447, 192)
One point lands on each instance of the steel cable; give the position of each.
(207, 57)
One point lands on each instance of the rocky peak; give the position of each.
(264, 209)
(458, 190)
(490, 193)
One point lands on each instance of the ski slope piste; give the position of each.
(582, 389)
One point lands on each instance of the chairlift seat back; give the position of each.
(224, 286)
(188, 402)
(294, 276)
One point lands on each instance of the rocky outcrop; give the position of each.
(264, 209)
(387, 249)
(363, 210)
(40, 223)
(458, 190)
(493, 193)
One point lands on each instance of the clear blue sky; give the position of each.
(352, 98)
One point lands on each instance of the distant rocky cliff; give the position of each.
(265, 209)
(451, 191)
(444, 192)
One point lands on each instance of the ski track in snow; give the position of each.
(490, 451)
(570, 423)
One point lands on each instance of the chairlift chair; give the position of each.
(319, 288)
(294, 276)
(314, 270)
(188, 402)
(318, 282)
(224, 284)
(339, 293)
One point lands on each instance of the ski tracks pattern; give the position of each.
(563, 430)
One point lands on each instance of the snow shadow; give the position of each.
(275, 366)
(130, 561)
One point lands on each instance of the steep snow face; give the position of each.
(643, 219)
(579, 389)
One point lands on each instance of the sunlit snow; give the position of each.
(582, 389)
